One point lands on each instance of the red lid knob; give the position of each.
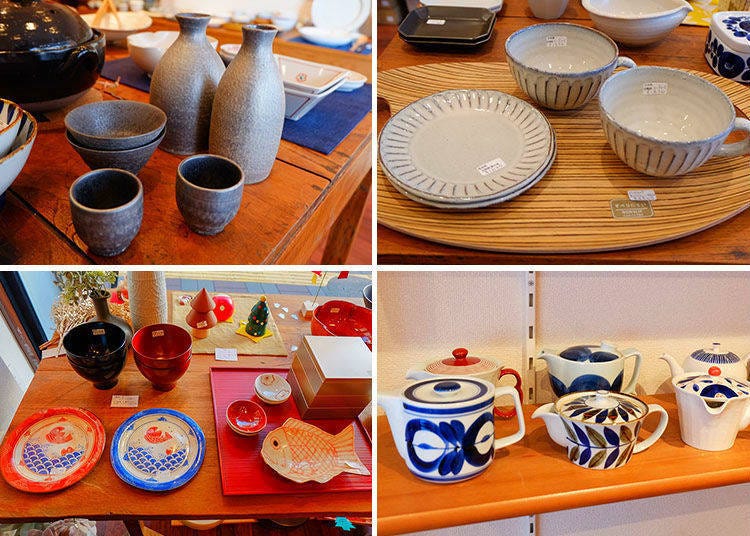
(714, 371)
(460, 354)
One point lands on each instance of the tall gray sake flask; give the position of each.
(248, 112)
(184, 83)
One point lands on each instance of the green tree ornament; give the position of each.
(257, 321)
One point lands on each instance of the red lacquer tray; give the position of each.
(243, 471)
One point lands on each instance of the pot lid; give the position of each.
(714, 386)
(453, 392)
(715, 355)
(32, 25)
(461, 364)
(601, 407)
(590, 352)
(343, 16)
(732, 28)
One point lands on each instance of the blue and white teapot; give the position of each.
(444, 427)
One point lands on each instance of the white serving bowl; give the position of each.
(328, 38)
(132, 22)
(284, 22)
(562, 66)
(147, 48)
(12, 163)
(666, 122)
(637, 22)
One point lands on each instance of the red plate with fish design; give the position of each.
(52, 449)
(243, 471)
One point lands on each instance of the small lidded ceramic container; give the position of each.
(600, 428)
(444, 428)
(727, 48)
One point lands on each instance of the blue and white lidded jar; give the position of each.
(727, 48)
(444, 427)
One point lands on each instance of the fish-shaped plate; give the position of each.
(302, 452)
(158, 449)
(52, 449)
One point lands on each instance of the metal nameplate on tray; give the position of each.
(627, 209)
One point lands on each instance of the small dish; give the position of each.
(115, 125)
(132, 22)
(340, 318)
(347, 16)
(284, 22)
(492, 5)
(328, 38)
(444, 23)
(272, 388)
(637, 22)
(309, 76)
(353, 81)
(246, 417)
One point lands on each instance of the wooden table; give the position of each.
(534, 476)
(728, 242)
(102, 495)
(308, 198)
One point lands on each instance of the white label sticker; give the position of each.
(436, 22)
(157, 333)
(557, 41)
(124, 401)
(202, 324)
(491, 167)
(655, 88)
(641, 195)
(99, 331)
(226, 354)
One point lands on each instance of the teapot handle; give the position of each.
(513, 438)
(517, 386)
(632, 352)
(663, 419)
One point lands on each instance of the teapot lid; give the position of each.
(713, 386)
(591, 352)
(461, 364)
(715, 355)
(450, 393)
(36, 25)
(601, 407)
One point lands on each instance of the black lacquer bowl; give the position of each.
(97, 351)
(49, 56)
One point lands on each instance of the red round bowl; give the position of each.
(342, 319)
(162, 353)
(246, 417)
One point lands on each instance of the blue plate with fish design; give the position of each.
(158, 449)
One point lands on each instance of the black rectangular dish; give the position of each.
(445, 24)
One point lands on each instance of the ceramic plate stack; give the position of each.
(465, 149)
(335, 22)
(442, 26)
(492, 5)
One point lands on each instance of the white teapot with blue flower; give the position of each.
(713, 361)
(444, 427)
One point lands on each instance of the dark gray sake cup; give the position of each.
(209, 192)
(107, 209)
(115, 125)
(131, 160)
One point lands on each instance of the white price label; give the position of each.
(98, 331)
(641, 195)
(124, 401)
(157, 333)
(226, 354)
(557, 41)
(202, 324)
(436, 22)
(493, 166)
(655, 88)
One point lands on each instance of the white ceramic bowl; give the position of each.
(666, 122)
(132, 22)
(328, 38)
(272, 388)
(284, 22)
(561, 66)
(147, 48)
(12, 163)
(637, 22)
(10, 121)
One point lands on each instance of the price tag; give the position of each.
(557, 41)
(641, 195)
(202, 324)
(436, 22)
(124, 401)
(98, 331)
(655, 88)
(493, 166)
(226, 354)
(157, 333)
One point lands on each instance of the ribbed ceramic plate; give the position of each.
(158, 449)
(465, 145)
(52, 449)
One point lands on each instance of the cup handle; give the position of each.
(632, 352)
(646, 443)
(739, 147)
(513, 438)
(624, 61)
(510, 413)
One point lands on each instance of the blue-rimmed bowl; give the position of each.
(12, 163)
(10, 121)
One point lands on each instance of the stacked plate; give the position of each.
(466, 148)
(447, 26)
(492, 5)
(335, 22)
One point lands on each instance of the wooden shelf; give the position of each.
(535, 476)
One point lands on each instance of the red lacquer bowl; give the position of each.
(162, 353)
(342, 319)
(246, 417)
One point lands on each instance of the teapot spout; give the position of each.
(548, 357)
(674, 367)
(394, 410)
(553, 422)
